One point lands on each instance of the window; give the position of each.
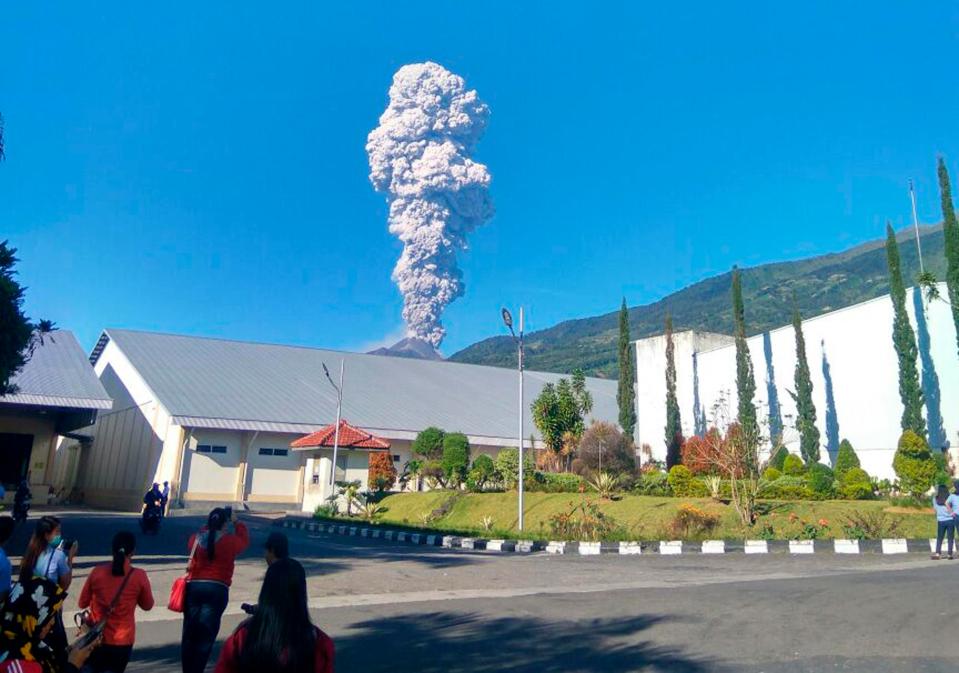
(274, 452)
(396, 457)
(209, 448)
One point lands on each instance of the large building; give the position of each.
(854, 371)
(216, 418)
(57, 395)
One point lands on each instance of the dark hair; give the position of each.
(37, 545)
(278, 543)
(6, 528)
(942, 495)
(280, 636)
(214, 523)
(123, 545)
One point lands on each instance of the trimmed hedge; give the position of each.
(846, 459)
(778, 458)
(856, 484)
(683, 483)
(914, 465)
(793, 466)
(558, 482)
(820, 479)
(771, 474)
(653, 483)
(787, 488)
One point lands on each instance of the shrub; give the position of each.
(793, 466)
(846, 459)
(683, 484)
(434, 474)
(778, 459)
(584, 521)
(820, 479)
(507, 466)
(381, 474)
(559, 482)
(456, 457)
(604, 447)
(787, 488)
(699, 453)
(914, 464)
(429, 443)
(856, 484)
(692, 522)
(870, 525)
(605, 484)
(771, 474)
(481, 474)
(578, 467)
(652, 483)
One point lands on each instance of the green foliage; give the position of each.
(507, 466)
(684, 484)
(787, 487)
(674, 425)
(914, 465)
(778, 459)
(18, 336)
(855, 484)
(605, 484)
(584, 521)
(591, 342)
(482, 473)
(429, 443)
(653, 483)
(805, 409)
(560, 410)
(904, 340)
(772, 474)
(456, 458)
(349, 491)
(820, 479)
(950, 230)
(874, 525)
(793, 466)
(558, 482)
(626, 380)
(745, 380)
(846, 458)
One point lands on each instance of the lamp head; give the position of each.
(507, 319)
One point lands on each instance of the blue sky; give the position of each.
(200, 167)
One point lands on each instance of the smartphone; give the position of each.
(229, 511)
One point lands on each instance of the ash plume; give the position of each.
(420, 158)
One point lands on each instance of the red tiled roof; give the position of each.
(350, 437)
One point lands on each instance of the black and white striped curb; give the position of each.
(662, 547)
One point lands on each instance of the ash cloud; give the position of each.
(420, 158)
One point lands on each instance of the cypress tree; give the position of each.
(674, 426)
(626, 388)
(950, 230)
(904, 340)
(745, 381)
(805, 409)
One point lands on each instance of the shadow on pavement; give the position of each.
(446, 642)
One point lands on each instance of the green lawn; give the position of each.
(637, 517)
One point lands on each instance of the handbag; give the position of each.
(178, 590)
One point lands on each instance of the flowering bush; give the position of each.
(382, 471)
(690, 522)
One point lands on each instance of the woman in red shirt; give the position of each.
(112, 592)
(214, 550)
(279, 637)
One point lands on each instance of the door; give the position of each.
(15, 450)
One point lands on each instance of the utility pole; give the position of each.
(508, 321)
(339, 413)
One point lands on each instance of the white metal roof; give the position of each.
(217, 383)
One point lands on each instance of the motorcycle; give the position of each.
(21, 509)
(150, 521)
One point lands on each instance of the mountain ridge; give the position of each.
(819, 284)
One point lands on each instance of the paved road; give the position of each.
(398, 608)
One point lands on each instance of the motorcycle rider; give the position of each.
(21, 501)
(152, 509)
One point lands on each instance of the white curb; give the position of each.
(495, 545)
(524, 546)
(633, 548)
(555, 547)
(756, 547)
(468, 543)
(895, 546)
(448, 541)
(802, 547)
(671, 547)
(589, 548)
(846, 546)
(714, 547)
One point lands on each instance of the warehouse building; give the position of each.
(854, 370)
(217, 418)
(57, 394)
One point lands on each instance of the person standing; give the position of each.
(112, 593)
(279, 637)
(6, 570)
(214, 550)
(945, 521)
(164, 498)
(46, 558)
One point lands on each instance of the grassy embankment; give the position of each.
(637, 517)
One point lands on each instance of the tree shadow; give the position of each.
(930, 379)
(772, 393)
(832, 417)
(699, 414)
(449, 642)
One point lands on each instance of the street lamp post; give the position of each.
(339, 410)
(508, 321)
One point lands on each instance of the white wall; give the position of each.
(863, 368)
(211, 476)
(273, 477)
